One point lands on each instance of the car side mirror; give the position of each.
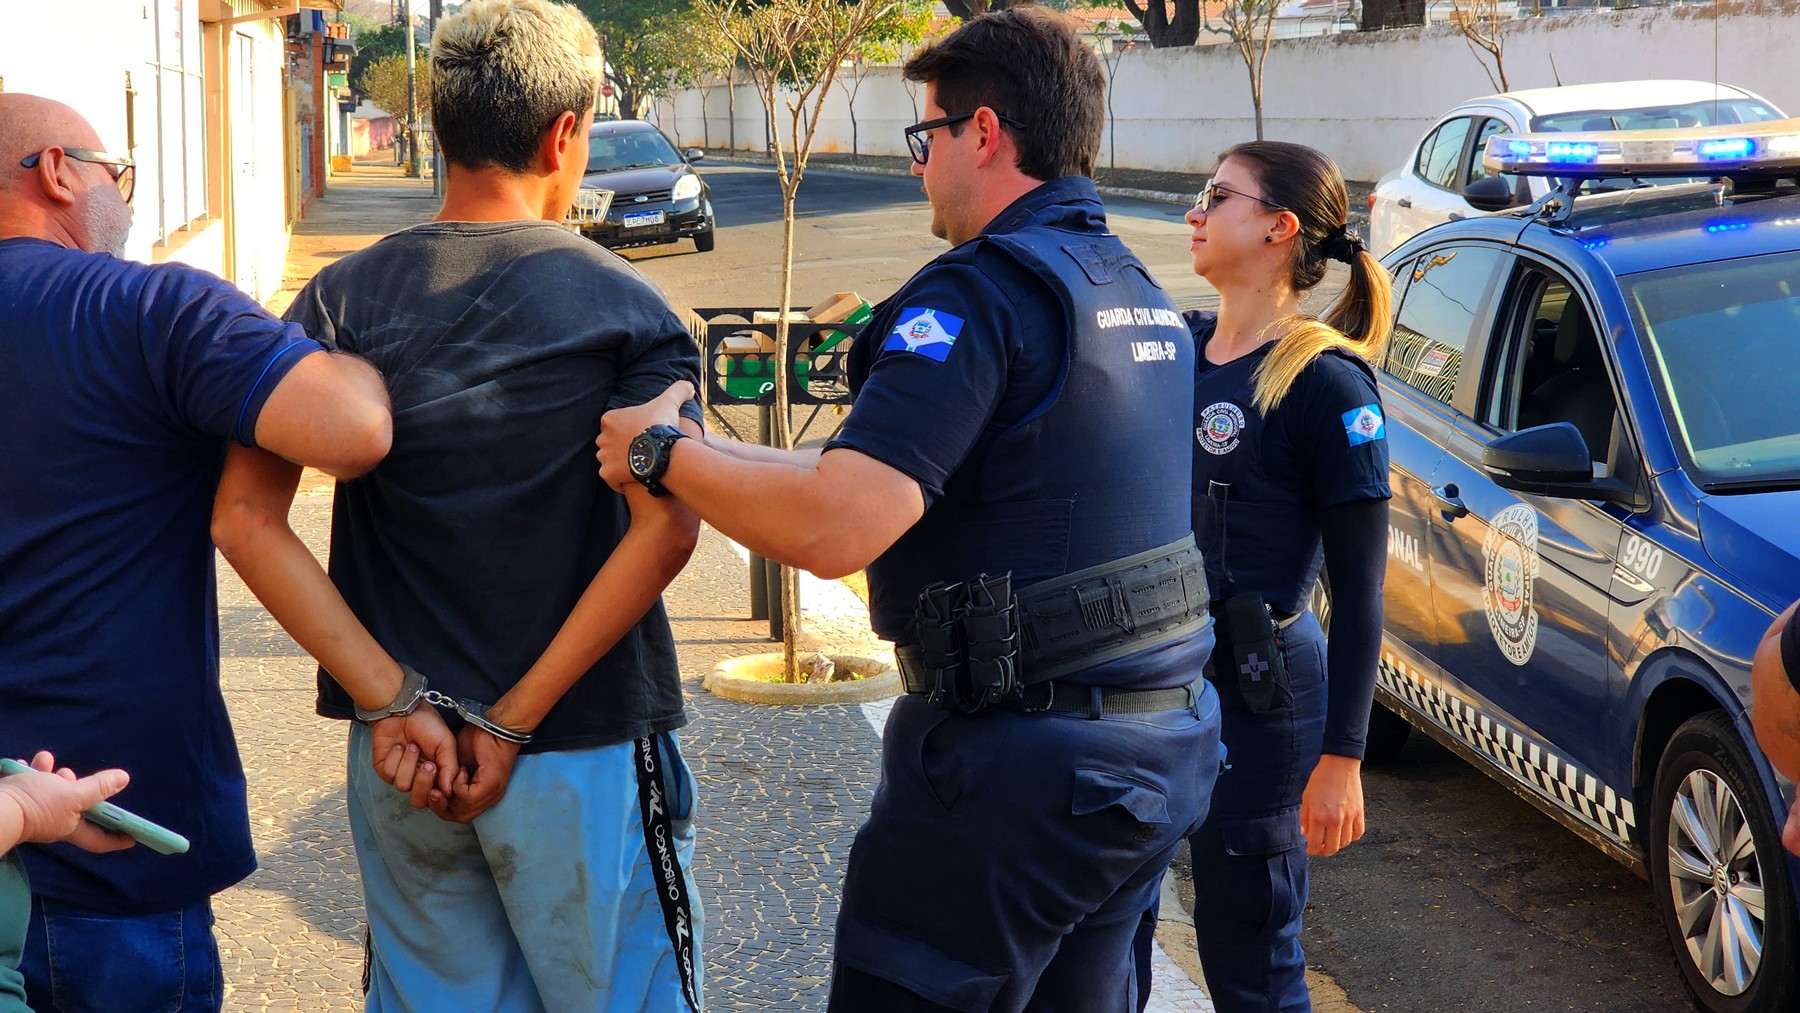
(1550, 460)
(1490, 193)
(693, 154)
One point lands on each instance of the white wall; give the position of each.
(1363, 97)
(80, 51)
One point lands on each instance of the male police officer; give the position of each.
(1023, 407)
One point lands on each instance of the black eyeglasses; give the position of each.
(122, 170)
(1211, 198)
(919, 141)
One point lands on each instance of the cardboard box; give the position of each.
(837, 308)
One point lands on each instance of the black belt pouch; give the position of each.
(1262, 676)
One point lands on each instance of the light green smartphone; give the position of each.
(159, 839)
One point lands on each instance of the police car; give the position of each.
(1594, 413)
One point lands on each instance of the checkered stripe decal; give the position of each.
(1573, 789)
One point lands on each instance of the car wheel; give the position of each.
(703, 241)
(1388, 731)
(1720, 879)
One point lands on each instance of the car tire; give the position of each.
(1707, 775)
(1388, 731)
(703, 241)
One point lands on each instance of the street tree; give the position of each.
(1116, 38)
(1168, 23)
(386, 87)
(793, 50)
(1250, 26)
(709, 63)
(1483, 26)
(906, 26)
(372, 45)
(648, 50)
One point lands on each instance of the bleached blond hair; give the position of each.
(502, 72)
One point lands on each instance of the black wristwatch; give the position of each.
(648, 458)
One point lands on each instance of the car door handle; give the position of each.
(1404, 202)
(1449, 502)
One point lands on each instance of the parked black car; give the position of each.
(657, 195)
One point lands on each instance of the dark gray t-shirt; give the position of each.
(501, 344)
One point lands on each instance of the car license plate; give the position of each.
(639, 219)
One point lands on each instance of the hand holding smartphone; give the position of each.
(157, 838)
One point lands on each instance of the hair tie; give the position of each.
(1342, 244)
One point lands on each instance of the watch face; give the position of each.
(641, 458)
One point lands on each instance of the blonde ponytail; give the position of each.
(1360, 321)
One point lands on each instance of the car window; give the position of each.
(1720, 339)
(1436, 319)
(1668, 117)
(1475, 170)
(1551, 365)
(1442, 150)
(628, 148)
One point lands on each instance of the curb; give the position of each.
(1357, 217)
(880, 681)
(1160, 196)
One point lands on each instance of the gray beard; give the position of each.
(108, 225)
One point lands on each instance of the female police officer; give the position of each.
(1290, 471)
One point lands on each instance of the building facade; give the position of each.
(207, 97)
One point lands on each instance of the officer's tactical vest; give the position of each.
(1101, 468)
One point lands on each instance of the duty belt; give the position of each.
(976, 644)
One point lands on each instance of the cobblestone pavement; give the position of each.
(782, 793)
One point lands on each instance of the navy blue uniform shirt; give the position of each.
(1324, 444)
(119, 385)
(962, 352)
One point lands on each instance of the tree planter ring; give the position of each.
(737, 679)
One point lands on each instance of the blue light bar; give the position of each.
(1728, 148)
(1572, 151)
(1769, 149)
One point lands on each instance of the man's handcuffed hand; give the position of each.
(51, 801)
(622, 425)
(417, 754)
(491, 760)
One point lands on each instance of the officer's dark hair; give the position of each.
(1306, 182)
(503, 72)
(1028, 65)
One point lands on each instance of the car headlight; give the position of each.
(686, 188)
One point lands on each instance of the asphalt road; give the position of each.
(1462, 897)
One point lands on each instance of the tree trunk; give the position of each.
(1163, 30)
(731, 107)
(784, 435)
(1256, 100)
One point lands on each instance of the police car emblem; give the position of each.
(1510, 555)
(929, 332)
(1221, 424)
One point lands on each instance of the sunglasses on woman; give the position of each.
(122, 170)
(1216, 194)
